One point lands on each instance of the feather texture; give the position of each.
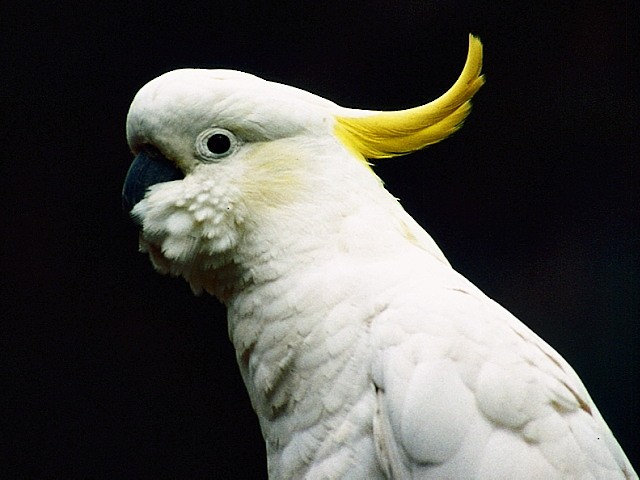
(364, 353)
(389, 134)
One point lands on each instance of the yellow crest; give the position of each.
(389, 134)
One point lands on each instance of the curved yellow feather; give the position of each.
(389, 134)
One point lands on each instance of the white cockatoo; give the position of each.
(365, 354)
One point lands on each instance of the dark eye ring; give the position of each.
(215, 143)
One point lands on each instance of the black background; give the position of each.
(114, 371)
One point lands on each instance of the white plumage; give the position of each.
(364, 353)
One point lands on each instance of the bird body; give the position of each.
(364, 353)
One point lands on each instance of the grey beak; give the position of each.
(148, 168)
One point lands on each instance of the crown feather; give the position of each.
(389, 134)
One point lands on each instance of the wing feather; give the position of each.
(471, 392)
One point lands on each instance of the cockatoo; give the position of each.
(365, 354)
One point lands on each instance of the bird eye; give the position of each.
(218, 143)
(215, 143)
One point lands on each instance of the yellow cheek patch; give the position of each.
(389, 134)
(272, 177)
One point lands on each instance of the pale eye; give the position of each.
(215, 143)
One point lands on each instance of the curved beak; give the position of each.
(148, 168)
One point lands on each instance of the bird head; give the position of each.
(222, 156)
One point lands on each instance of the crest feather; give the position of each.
(389, 134)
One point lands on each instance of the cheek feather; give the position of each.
(191, 220)
(273, 177)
